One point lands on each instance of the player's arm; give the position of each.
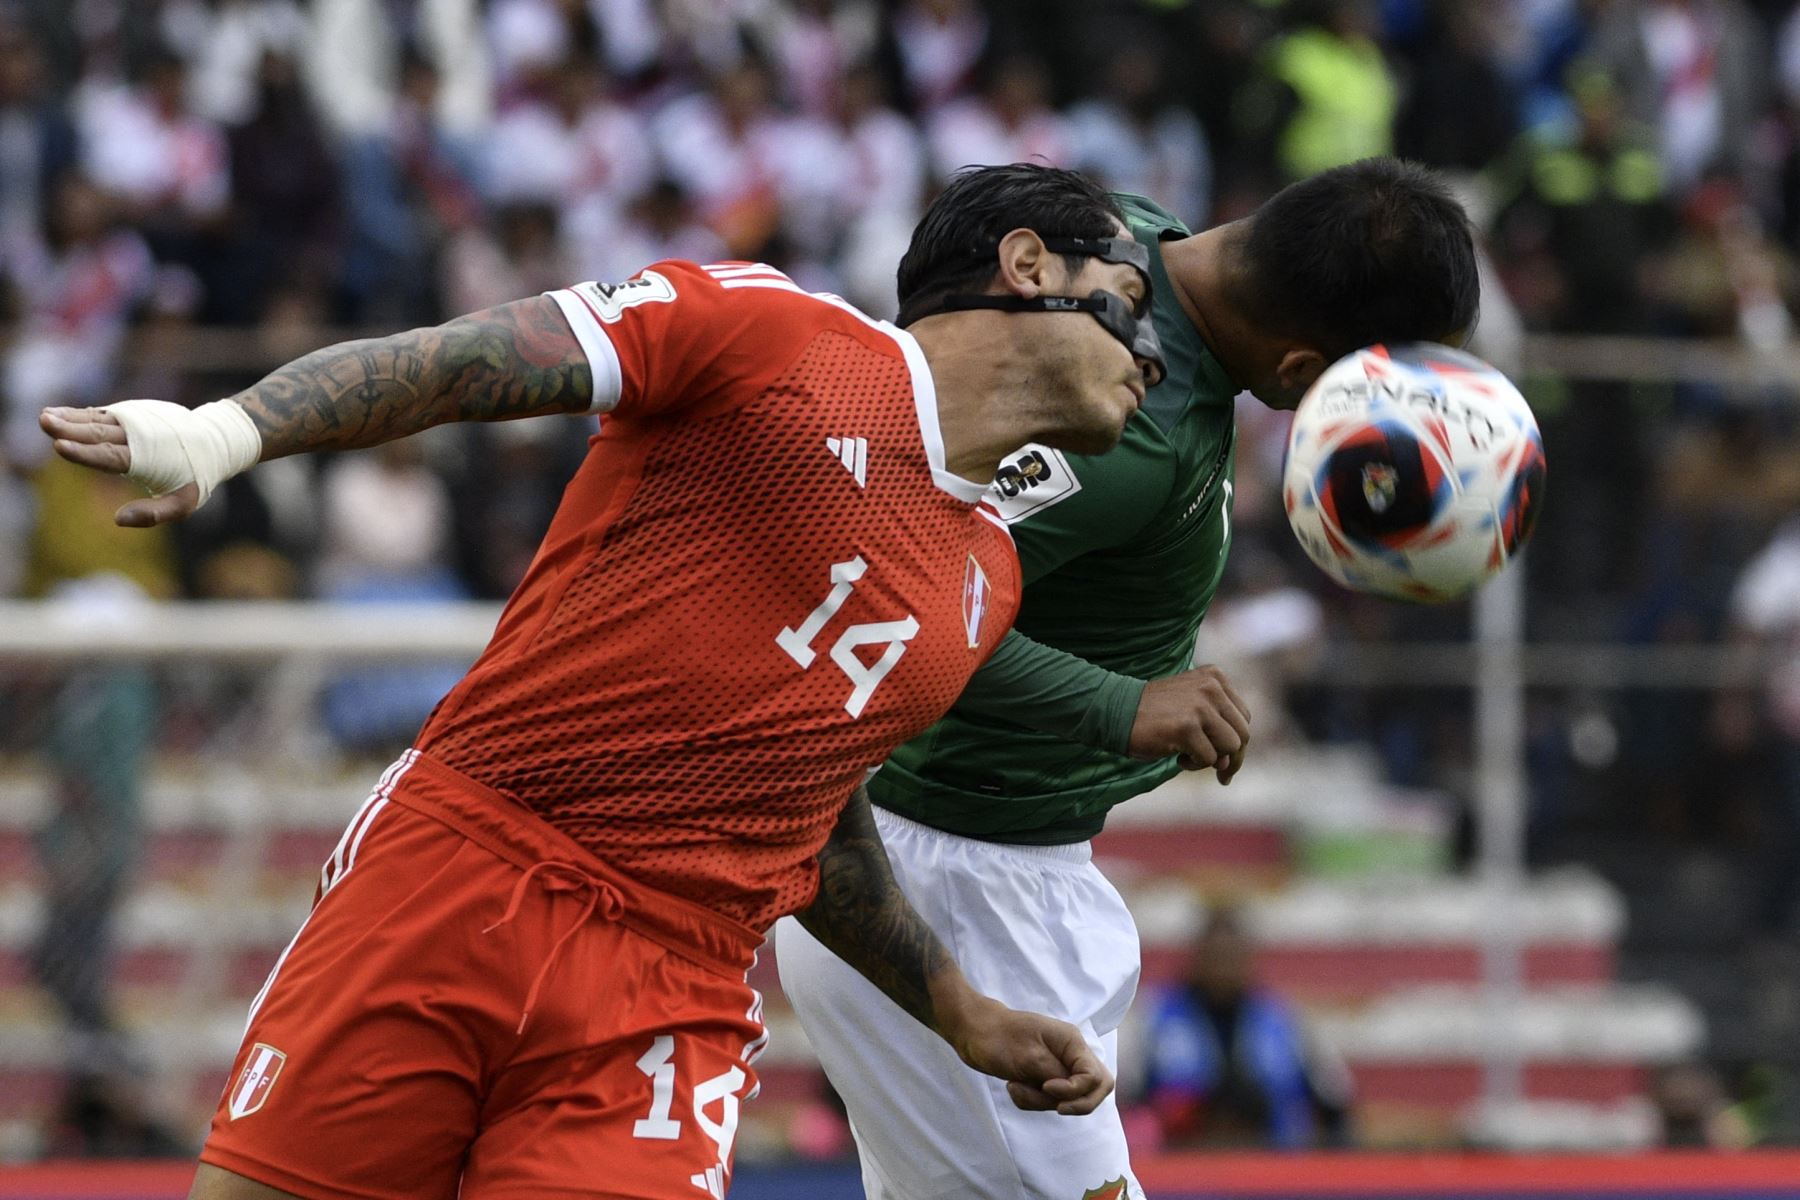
(862, 916)
(516, 360)
(1195, 716)
(1063, 506)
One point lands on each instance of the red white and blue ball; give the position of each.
(1414, 472)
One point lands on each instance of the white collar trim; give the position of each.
(925, 403)
(924, 393)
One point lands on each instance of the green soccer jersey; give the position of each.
(1122, 553)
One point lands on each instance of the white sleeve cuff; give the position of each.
(603, 360)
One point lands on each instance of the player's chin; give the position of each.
(1100, 433)
(1088, 443)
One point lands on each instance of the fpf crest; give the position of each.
(977, 592)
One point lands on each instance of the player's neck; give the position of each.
(1203, 271)
(980, 390)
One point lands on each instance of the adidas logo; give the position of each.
(853, 453)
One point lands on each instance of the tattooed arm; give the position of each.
(862, 916)
(516, 360)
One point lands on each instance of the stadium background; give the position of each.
(1531, 898)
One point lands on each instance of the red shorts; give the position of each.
(385, 1056)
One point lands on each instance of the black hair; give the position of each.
(1375, 251)
(953, 245)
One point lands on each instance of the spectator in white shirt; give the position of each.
(884, 189)
(359, 51)
(527, 38)
(940, 45)
(224, 44)
(887, 157)
(754, 171)
(663, 223)
(1693, 70)
(1765, 626)
(814, 44)
(1009, 121)
(574, 146)
(1133, 140)
(76, 291)
(166, 164)
(517, 251)
(387, 524)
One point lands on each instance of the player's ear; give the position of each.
(1299, 368)
(1023, 263)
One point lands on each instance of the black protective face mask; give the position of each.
(1115, 314)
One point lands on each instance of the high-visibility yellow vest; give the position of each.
(1347, 101)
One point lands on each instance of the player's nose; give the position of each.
(1150, 369)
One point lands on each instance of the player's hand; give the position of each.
(1046, 1063)
(91, 438)
(1196, 716)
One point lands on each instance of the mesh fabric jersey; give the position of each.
(731, 619)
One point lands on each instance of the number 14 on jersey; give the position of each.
(864, 678)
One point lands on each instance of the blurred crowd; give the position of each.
(193, 191)
(266, 170)
(280, 167)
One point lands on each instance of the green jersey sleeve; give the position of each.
(1053, 691)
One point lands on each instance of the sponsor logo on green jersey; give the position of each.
(1031, 479)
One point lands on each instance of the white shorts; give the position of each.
(1037, 927)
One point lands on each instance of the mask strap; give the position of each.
(1110, 309)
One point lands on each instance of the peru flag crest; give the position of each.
(252, 1086)
(977, 592)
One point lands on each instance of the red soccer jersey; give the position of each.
(760, 582)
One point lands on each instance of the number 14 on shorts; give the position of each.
(658, 1062)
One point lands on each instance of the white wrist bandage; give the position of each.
(171, 445)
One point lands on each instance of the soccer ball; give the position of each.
(1413, 472)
